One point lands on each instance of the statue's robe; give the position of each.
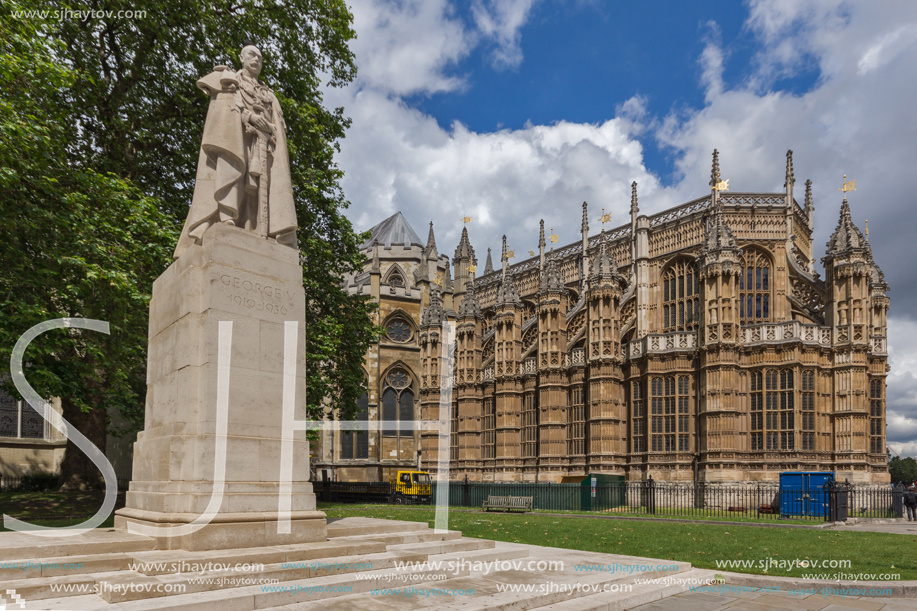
(223, 167)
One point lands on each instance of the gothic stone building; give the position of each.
(697, 343)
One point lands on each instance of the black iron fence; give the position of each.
(41, 483)
(833, 502)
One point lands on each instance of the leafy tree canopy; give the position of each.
(101, 123)
(902, 469)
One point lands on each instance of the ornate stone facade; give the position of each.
(697, 343)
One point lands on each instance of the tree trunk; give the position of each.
(77, 471)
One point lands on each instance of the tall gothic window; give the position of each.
(680, 297)
(757, 411)
(663, 420)
(398, 405)
(490, 422)
(772, 407)
(576, 423)
(356, 444)
(755, 288)
(19, 419)
(453, 436)
(529, 426)
(808, 410)
(638, 407)
(9, 416)
(684, 424)
(876, 432)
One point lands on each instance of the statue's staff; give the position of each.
(265, 173)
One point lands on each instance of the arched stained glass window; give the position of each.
(680, 297)
(398, 405)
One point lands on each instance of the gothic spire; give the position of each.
(550, 280)
(585, 226)
(790, 179)
(603, 263)
(541, 244)
(507, 293)
(503, 257)
(846, 236)
(634, 209)
(469, 307)
(715, 171)
(719, 236)
(489, 266)
(431, 244)
(464, 250)
(433, 315)
(376, 267)
(810, 206)
(447, 279)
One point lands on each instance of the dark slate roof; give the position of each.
(393, 230)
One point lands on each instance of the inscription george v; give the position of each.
(257, 296)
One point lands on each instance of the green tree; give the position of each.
(141, 115)
(74, 242)
(134, 115)
(902, 469)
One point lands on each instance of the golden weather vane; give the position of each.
(467, 219)
(511, 254)
(472, 268)
(722, 185)
(438, 281)
(553, 236)
(605, 218)
(867, 228)
(531, 253)
(848, 186)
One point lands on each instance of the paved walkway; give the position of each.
(901, 528)
(759, 601)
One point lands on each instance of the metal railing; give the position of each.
(10, 484)
(833, 502)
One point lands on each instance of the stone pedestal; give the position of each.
(234, 275)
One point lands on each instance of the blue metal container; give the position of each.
(804, 493)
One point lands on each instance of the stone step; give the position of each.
(113, 585)
(172, 561)
(491, 591)
(621, 601)
(349, 527)
(325, 551)
(130, 590)
(15, 545)
(320, 589)
(217, 580)
(415, 536)
(446, 547)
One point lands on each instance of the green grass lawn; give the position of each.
(700, 544)
(55, 508)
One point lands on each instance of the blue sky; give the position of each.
(583, 59)
(515, 110)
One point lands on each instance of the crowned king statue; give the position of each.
(243, 170)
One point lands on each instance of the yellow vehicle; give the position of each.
(408, 487)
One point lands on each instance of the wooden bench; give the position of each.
(508, 503)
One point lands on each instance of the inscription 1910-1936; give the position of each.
(257, 296)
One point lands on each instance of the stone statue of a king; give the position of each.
(243, 171)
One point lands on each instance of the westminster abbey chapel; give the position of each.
(699, 343)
